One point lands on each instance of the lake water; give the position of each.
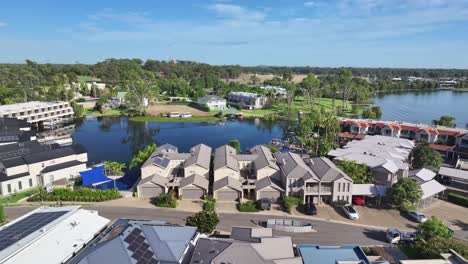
(423, 107)
(117, 138)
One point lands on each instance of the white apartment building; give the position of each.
(213, 102)
(26, 165)
(250, 100)
(36, 111)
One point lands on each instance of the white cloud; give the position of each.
(237, 13)
(310, 4)
(3, 24)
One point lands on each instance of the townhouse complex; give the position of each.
(168, 170)
(26, 165)
(38, 112)
(254, 175)
(213, 102)
(451, 142)
(250, 100)
(13, 130)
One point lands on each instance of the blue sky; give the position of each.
(374, 33)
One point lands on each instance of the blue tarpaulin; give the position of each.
(93, 176)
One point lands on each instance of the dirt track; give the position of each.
(165, 108)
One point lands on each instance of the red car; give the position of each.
(359, 200)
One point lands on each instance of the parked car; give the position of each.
(358, 200)
(417, 216)
(264, 204)
(310, 209)
(350, 212)
(395, 236)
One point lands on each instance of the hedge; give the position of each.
(199, 107)
(79, 195)
(458, 199)
(290, 202)
(209, 204)
(166, 200)
(248, 206)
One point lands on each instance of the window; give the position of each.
(9, 188)
(51, 177)
(349, 184)
(30, 183)
(20, 185)
(339, 186)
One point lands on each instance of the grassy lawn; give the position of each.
(193, 119)
(85, 78)
(15, 198)
(106, 112)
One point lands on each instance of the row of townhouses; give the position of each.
(451, 141)
(254, 175)
(259, 173)
(244, 99)
(38, 112)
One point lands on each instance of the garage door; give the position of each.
(150, 191)
(274, 194)
(227, 195)
(192, 194)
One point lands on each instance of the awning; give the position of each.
(94, 176)
(431, 188)
(369, 190)
(454, 173)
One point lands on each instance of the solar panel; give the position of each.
(24, 227)
(141, 250)
(161, 162)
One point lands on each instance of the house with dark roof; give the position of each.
(246, 245)
(187, 174)
(258, 164)
(29, 164)
(14, 130)
(138, 241)
(315, 180)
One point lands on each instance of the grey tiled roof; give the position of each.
(293, 166)
(155, 179)
(326, 170)
(201, 156)
(224, 157)
(266, 182)
(265, 157)
(194, 179)
(227, 181)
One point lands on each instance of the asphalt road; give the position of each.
(327, 233)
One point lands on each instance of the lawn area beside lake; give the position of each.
(106, 112)
(193, 119)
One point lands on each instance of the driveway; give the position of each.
(455, 216)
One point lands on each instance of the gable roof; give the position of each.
(200, 155)
(194, 179)
(154, 179)
(265, 157)
(326, 170)
(294, 167)
(422, 175)
(224, 157)
(430, 188)
(229, 182)
(268, 182)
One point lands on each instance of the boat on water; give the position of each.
(286, 225)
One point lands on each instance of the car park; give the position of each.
(417, 216)
(350, 212)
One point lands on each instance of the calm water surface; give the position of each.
(117, 138)
(423, 107)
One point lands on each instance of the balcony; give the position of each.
(312, 189)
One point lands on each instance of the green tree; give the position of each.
(311, 85)
(290, 94)
(139, 94)
(433, 247)
(359, 173)
(113, 167)
(142, 155)
(368, 114)
(345, 81)
(405, 194)
(2, 214)
(77, 109)
(235, 143)
(423, 156)
(448, 121)
(205, 221)
(434, 228)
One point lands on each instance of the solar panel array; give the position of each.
(141, 250)
(24, 227)
(161, 162)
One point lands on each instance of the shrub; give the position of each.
(234, 105)
(248, 206)
(290, 202)
(2, 214)
(340, 203)
(199, 107)
(458, 199)
(82, 194)
(166, 200)
(209, 204)
(205, 221)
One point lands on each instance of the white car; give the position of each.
(395, 236)
(350, 212)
